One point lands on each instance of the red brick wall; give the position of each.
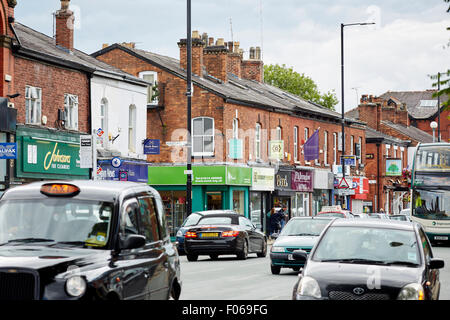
(424, 125)
(54, 82)
(253, 70)
(208, 104)
(6, 57)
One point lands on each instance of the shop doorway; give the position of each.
(214, 200)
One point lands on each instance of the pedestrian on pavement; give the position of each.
(269, 220)
(285, 216)
(275, 221)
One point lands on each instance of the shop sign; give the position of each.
(344, 192)
(152, 146)
(263, 179)
(239, 176)
(128, 171)
(8, 150)
(51, 157)
(370, 156)
(283, 180)
(85, 151)
(302, 180)
(202, 175)
(235, 148)
(276, 149)
(393, 167)
(361, 185)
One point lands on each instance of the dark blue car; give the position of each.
(190, 221)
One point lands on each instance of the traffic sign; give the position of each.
(343, 184)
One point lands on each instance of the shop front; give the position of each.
(302, 184)
(213, 188)
(323, 186)
(283, 194)
(260, 192)
(47, 154)
(361, 188)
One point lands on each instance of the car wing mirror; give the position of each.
(300, 255)
(436, 263)
(133, 241)
(274, 235)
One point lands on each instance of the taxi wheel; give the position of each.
(192, 257)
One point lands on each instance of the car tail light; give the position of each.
(226, 234)
(190, 235)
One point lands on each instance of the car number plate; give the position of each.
(290, 257)
(440, 238)
(210, 235)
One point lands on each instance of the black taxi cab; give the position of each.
(87, 240)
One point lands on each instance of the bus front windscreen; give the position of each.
(431, 204)
(433, 158)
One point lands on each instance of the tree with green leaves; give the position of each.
(303, 86)
(443, 80)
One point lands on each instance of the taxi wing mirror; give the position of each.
(436, 263)
(133, 241)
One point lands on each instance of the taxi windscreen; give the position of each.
(71, 222)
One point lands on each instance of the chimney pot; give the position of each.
(258, 53)
(65, 4)
(236, 46)
(230, 46)
(105, 45)
(252, 53)
(220, 42)
(195, 34)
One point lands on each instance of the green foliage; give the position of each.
(287, 79)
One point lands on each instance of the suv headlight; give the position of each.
(412, 291)
(277, 249)
(76, 286)
(309, 287)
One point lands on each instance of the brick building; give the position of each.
(8, 115)
(390, 140)
(54, 85)
(241, 126)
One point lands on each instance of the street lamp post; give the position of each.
(342, 86)
(433, 126)
(189, 113)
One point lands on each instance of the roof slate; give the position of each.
(412, 132)
(235, 89)
(42, 46)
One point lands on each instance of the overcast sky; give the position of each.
(408, 43)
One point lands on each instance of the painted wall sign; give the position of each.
(235, 148)
(276, 149)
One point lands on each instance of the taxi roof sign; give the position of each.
(60, 190)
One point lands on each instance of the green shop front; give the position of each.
(213, 188)
(44, 154)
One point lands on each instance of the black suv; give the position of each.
(89, 240)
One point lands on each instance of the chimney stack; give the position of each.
(253, 69)
(64, 26)
(197, 53)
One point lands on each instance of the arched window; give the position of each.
(203, 136)
(235, 128)
(132, 128)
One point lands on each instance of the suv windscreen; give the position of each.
(63, 220)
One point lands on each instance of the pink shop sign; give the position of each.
(302, 180)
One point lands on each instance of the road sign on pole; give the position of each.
(343, 184)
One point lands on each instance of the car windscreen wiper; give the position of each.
(355, 260)
(29, 240)
(403, 263)
(303, 234)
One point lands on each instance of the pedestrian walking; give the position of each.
(285, 216)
